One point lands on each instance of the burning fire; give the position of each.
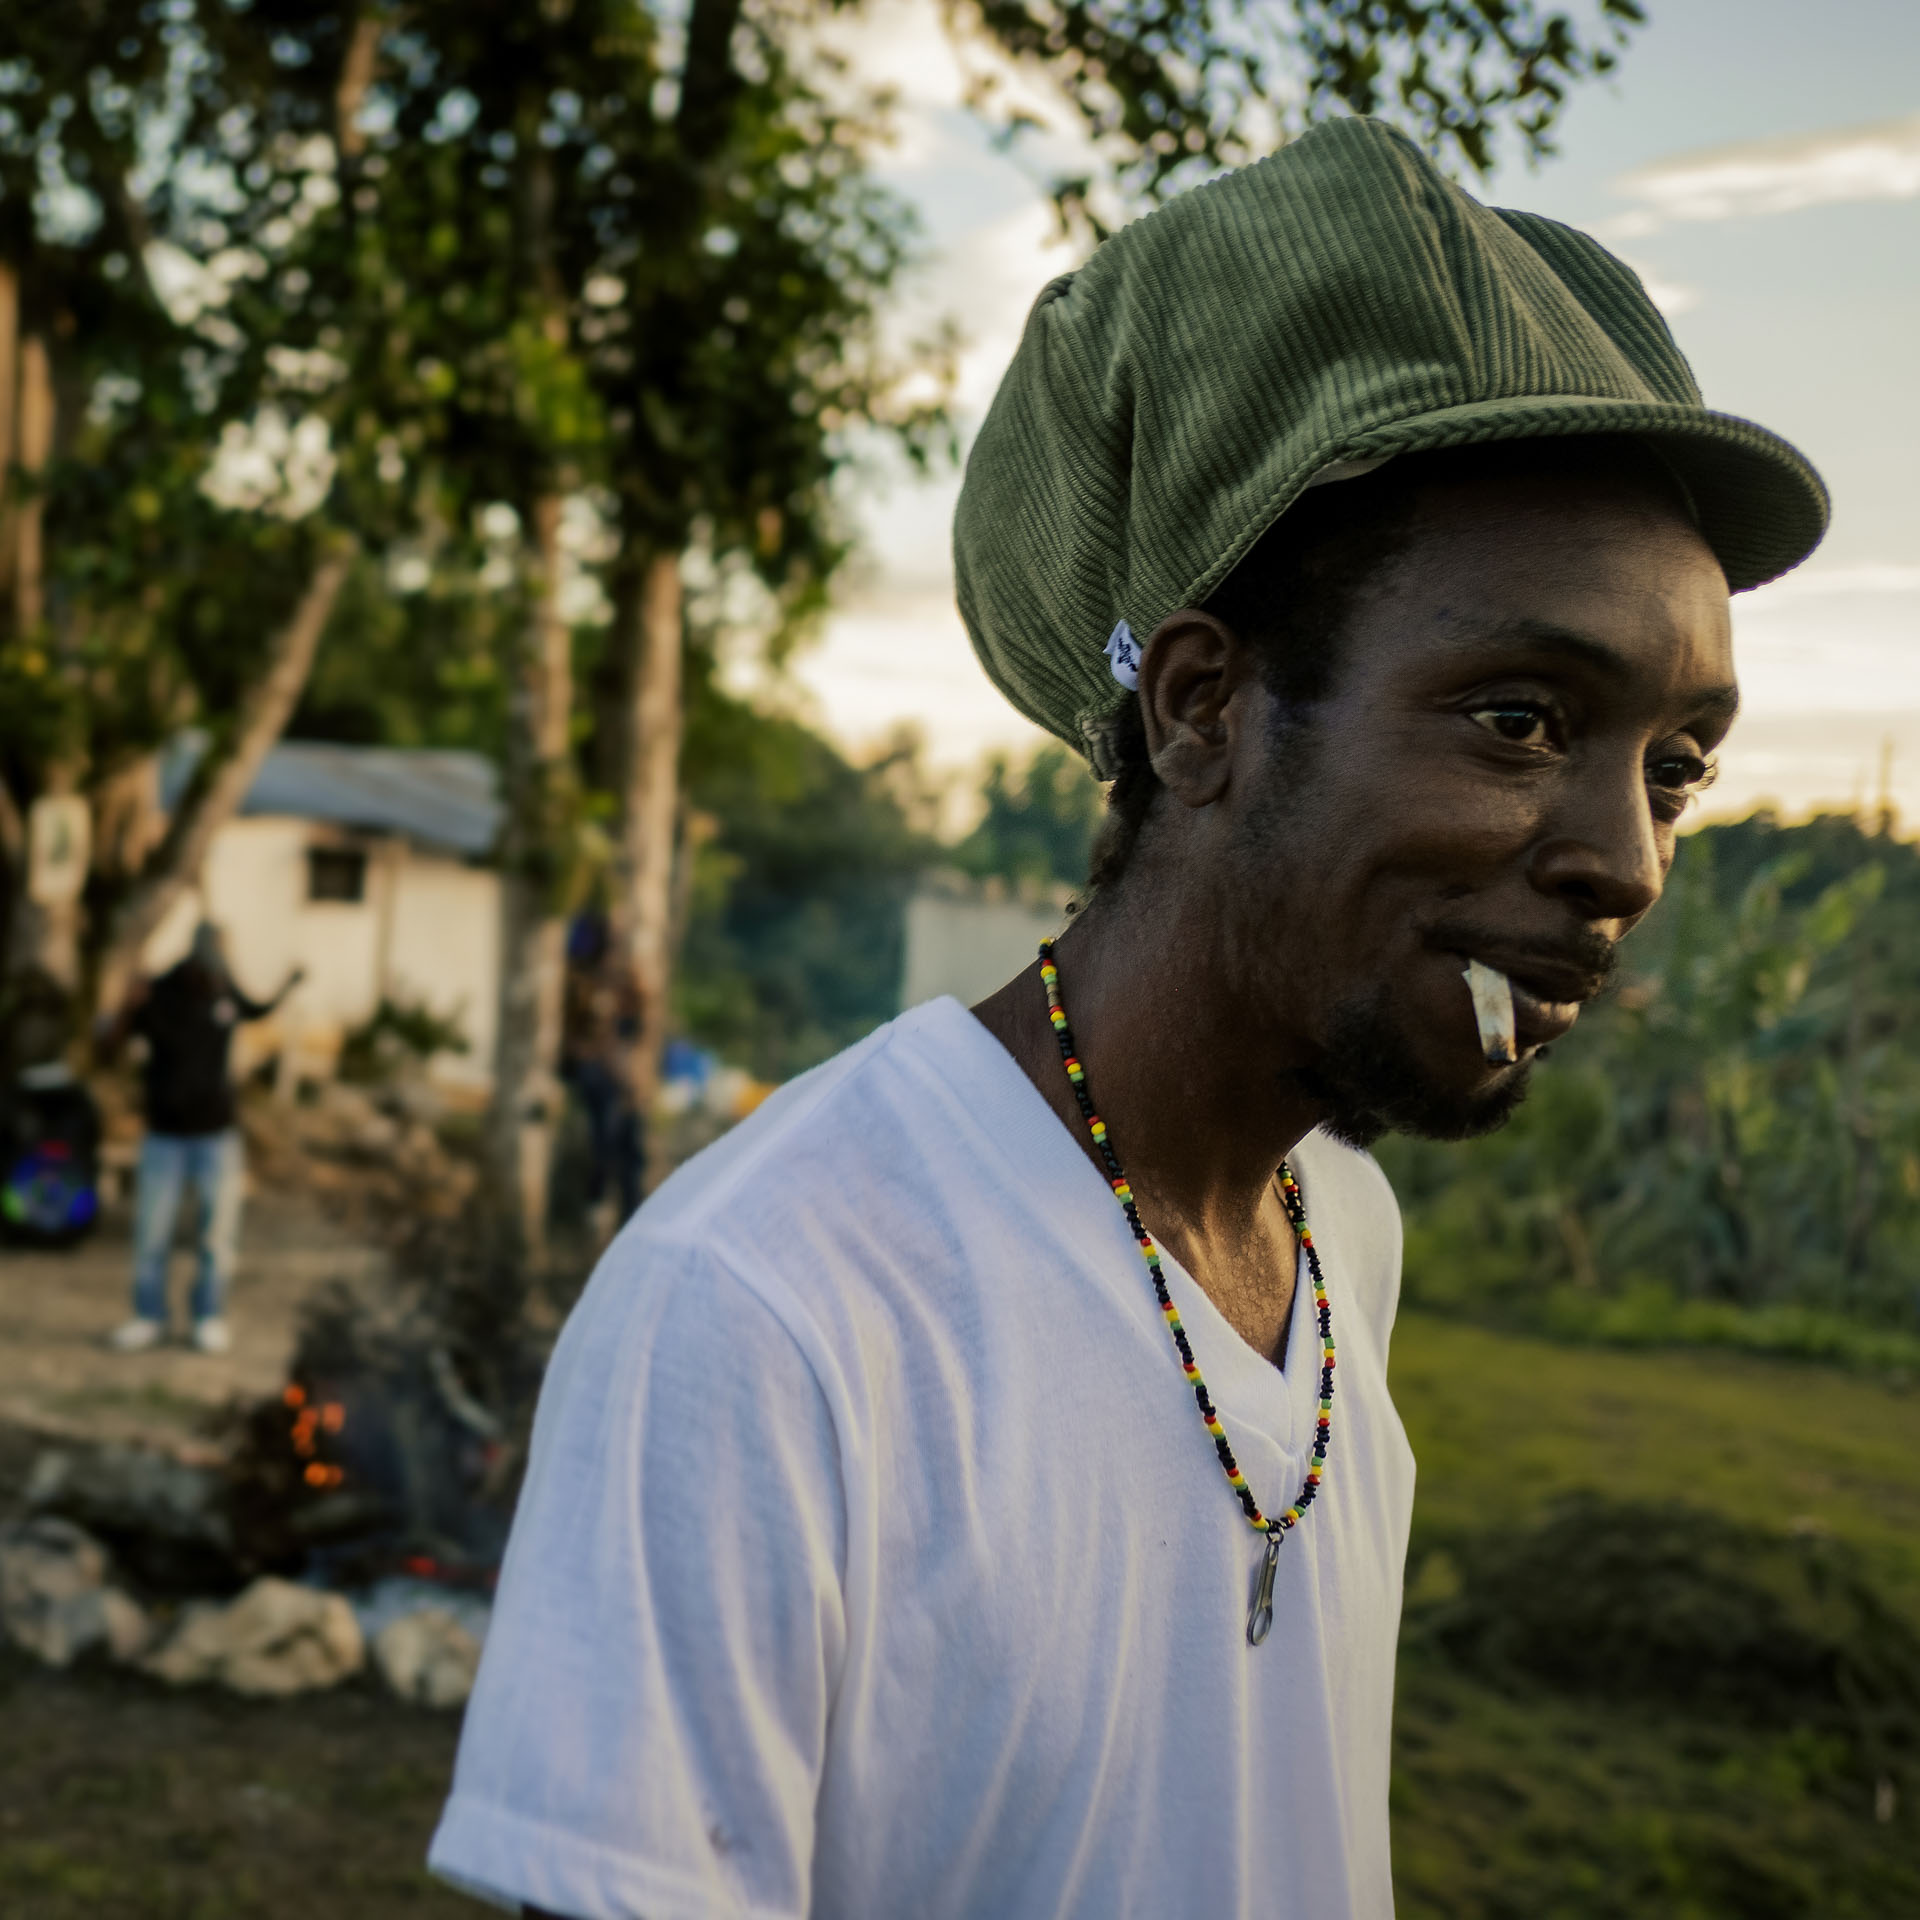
(311, 1419)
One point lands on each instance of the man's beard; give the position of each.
(1368, 1081)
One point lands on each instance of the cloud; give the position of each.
(1817, 583)
(1877, 162)
(1670, 296)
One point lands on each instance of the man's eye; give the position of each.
(1682, 773)
(1519, 722)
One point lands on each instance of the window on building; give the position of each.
(336, 873)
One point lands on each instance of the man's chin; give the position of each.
(1369, 1082)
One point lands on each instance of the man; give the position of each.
(895, 1540)
(599, 1037)
(187, 1018)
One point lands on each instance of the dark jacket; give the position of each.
(187, 1021)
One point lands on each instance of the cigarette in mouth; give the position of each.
(1493, 1013)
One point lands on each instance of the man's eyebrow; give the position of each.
(1717, 703)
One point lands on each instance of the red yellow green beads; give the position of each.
(1276, 1527)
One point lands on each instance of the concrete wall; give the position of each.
(443, 951)
(426, 932)
(967, 944)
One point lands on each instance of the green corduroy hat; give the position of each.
(1340, 301)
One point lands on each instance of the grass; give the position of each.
(1649, 1316)
(1502, 1423)
(1514, 1797)
(1518, 1799)
(1527, 1807)
(120, 1798)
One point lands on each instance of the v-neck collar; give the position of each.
(1253, 1395)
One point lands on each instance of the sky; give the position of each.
(1758, 161)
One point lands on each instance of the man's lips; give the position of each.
(1548, 991)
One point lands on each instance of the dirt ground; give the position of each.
(57, 1377)
(121, 1799)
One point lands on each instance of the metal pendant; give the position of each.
(1260, 1614)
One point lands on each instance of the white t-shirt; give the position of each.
(873, 1562)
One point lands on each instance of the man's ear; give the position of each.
(1191, 670)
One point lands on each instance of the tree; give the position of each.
(1170, 90)
(793, 905)
(568, 259)
(137, 598)
(720, 417)
(1039, 821)
(738, 358)
(532, 277)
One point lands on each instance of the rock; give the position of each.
(275, 1639)
(168, 1522)
(54, 1599)
(124, 1626)
(427, 1657)
(355, 1120)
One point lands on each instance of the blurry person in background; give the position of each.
(599, 1041)
(187, 1018)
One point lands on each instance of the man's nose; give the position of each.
(1602, 853)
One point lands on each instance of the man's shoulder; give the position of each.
(868, 1115)
(831, 1186)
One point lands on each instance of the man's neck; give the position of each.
(1198, 1116)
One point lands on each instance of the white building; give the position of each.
(969, 938)
(359, 864)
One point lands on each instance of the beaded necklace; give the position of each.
(1260, 1613)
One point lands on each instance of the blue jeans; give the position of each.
(213, 1163)
(615, 1145)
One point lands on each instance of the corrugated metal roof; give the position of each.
(442, 797)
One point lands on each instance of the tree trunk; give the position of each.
(222, 780)
(9, 414)
(128, 821)
(356, 77)
(43, 936)
(33, 426)
(650, 639)
(533, 935)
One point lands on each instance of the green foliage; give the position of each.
(1738, 1124)
(1652, 1317)
(398, 1034)
(1039, 823)
(574, 252)
(1174, 92)
(416, 668)
(793, 943)
(122, 145)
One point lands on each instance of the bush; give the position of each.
(1738, 1125)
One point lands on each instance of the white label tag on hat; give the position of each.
(1123, 655)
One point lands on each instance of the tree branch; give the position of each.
(222, 780)
(356, 76)
(709, 82)
(13, 830)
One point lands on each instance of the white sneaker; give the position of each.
(137, 1335)
(212, 1335)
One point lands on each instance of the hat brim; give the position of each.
(1761, 506)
